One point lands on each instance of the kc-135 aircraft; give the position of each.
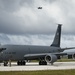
(23, 53)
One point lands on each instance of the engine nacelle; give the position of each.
(50, 58)
(71, 56)
(74, 56)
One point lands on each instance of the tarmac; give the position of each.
(35, 66)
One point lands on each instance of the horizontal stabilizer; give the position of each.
(67, 48)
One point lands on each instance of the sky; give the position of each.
(21, 22)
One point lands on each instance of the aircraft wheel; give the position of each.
(21, 63)
(5, 63)
(42, 63)
(45, 63)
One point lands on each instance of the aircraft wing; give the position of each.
(42, 55)
(34, 56)
(1, 49)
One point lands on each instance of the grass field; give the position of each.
(66, 60)
(49, 72)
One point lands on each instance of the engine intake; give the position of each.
(50, 58)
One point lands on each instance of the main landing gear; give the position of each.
(5, 63)
(43, 62)
(21, 63)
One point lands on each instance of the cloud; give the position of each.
(45, 40)
(22, 23)
(23, 17)
(25, 40)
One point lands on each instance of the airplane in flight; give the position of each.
(39, 7)
(23, 53)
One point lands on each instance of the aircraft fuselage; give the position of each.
(17, 52)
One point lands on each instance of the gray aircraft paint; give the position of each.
(17, 52)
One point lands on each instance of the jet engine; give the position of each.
(71, 56)
(50, 58)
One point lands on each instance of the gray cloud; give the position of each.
(22, 23)
(23, 17)
(9, 5)
(66, 41)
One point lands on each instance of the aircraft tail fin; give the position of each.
(56, 41)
